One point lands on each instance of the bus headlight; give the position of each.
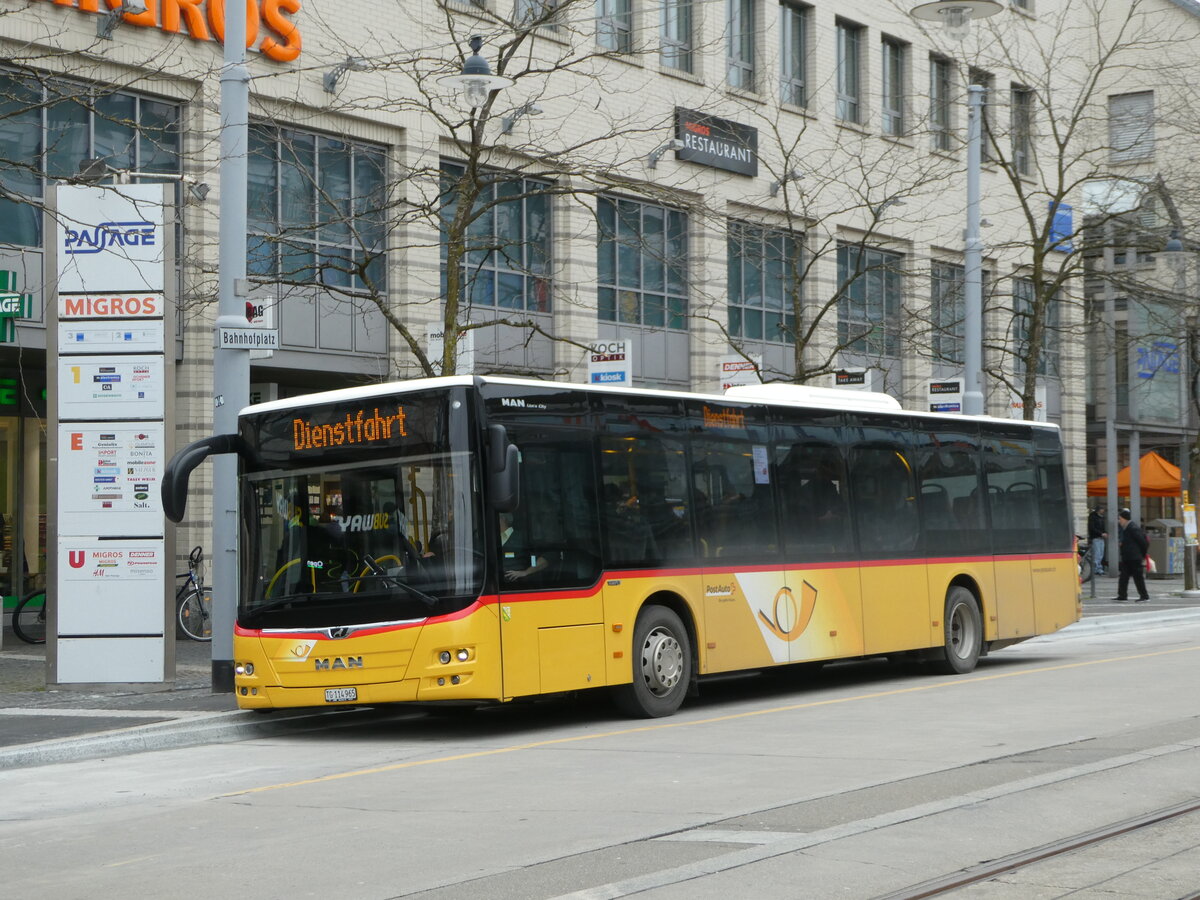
(463, 655)
(244, 668)
(444, 657)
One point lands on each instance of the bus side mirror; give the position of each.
(179, 469)
(504, 470)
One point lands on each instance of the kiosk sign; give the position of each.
(610, 362)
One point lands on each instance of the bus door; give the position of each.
(821, 581)
(551, 606)
(1010, 472)
(892, 574)
(749, 620)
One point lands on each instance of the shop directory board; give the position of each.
(110, 475)
(111, 380)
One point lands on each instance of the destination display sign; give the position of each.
(372, 426)
(717, 143)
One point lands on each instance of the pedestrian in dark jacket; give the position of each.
(1133, 546)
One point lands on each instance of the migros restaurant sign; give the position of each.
(204, 20)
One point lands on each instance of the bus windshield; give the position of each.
(375, 542)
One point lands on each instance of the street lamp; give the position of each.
(476, 80)
(956, 16)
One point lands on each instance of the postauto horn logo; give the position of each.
(107, 235)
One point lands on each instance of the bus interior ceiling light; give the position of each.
(956, 15)
(476, 80)
(111, 19)
(351, 64)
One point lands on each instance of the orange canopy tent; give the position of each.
(1158, 479)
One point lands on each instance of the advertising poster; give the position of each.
(103, 578)
(611, 363)
(111, 337)
(111, 239)
(110, 475)
(119, 387)
(735, 370)
(946, 395)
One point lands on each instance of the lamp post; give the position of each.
(1177, 259)
(955, 17)
(231, 366)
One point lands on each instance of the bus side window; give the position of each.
(812, 488)
(646, 513)
(885, 506)
(556, 513)
(1013, 498)
(735, 519)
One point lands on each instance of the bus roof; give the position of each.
(773, 393)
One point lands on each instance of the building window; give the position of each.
(892, 84)
(1022, 130)
(940, 70)
(764, 285)
(869, 307)
(948, 309)
(316, 210)
(506, 259)
(1131, 126)
(1024, 298)
(539, 13)
(677, 34)
(614, 25)
(849, 72)
(642, 263)
(793, 53)
(987, 82)
(740, 44)
(50, 127)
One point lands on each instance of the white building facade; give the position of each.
(773, 182)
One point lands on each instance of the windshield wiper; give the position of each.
(387, 580)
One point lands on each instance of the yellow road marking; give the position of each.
(659, 726)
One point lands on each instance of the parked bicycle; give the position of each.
(1084, 549)
(29, 617)
(193, 601)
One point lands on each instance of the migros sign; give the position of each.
(204, 20)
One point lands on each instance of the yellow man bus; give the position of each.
(486, 539)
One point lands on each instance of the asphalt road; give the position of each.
(861, 781)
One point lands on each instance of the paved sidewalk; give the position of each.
(40, 726)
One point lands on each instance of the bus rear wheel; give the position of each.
(662, 666)
(963, 627)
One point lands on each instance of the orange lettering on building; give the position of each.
(280, 42)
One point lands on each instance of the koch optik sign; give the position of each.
(111, 379)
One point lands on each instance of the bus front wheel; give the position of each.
(963, 627)
(662, 665)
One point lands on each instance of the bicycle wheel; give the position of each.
(29, 618)
(195, 615)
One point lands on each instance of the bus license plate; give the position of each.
(341, 695)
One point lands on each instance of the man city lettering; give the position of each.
(357, 428)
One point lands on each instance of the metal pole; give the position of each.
(973, 397)
(231, 368)
(1110, 406)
